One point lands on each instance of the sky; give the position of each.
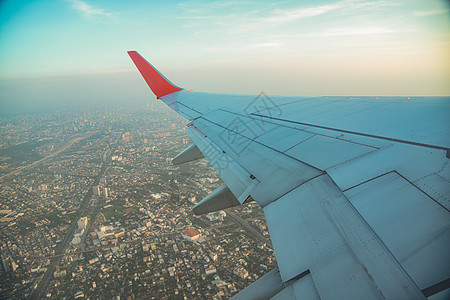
(64, 51)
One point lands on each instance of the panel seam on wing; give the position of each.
(271, 121)
(297, 186)
(268, 147)
(359, 133)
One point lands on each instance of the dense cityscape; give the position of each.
(91, 207)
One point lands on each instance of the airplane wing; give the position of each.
(355, 190)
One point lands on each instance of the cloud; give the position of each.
(342, 7)
(244, 20)
(426, 13)
(282, 16)
(201, 6)
(88, 10)
(350, 31)
(267, 46)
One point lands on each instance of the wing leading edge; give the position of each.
(355, 191)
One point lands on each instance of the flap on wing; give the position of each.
(263, 288)
(238, 180)
(302, 288)
(315, 228)
(255, 163)
(414, 227)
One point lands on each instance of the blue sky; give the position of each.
(346, 47)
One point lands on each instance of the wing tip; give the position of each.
(157, 82)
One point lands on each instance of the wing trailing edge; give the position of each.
(159, 84)
(265, 287)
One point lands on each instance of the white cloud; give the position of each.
(426, 13)
(88, 10)
(344, 6)
(267, 17)
(288, 29)
(350, 31)
(268, 46)
(281, 16)
(190, 6)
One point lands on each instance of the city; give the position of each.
(93, 208)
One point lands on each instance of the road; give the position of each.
(34, 164)
(255, 232)
(82, 211)
(59, 253)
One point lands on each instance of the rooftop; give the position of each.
(190, 233)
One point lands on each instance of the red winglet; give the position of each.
(155, 80)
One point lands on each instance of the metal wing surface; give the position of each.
(355, 190)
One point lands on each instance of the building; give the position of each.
(76, 241)
(59, 273)
(210, 270)
(190, 235)
(82, 223)
(93, 260)
(241, 272)
(119, 232)
(96, 190)
(109, 232)
(105, 232)
(106, 192)
(216, 216)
